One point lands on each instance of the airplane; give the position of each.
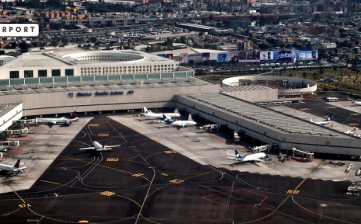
(357, 103)
(62, 120)
(178, 123)
(149, 113)
(257, 157)
(351, 132)
(324, 122)
(13, 169)
(98, 147)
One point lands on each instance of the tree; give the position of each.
(24, 47)
(13, 45)
(304, 74)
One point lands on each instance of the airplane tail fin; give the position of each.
(145, 110)
(17, 164)
(73, 115)
(311, 120)
(237, 154)
(330, 116)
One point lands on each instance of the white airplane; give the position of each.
(324, 122)
(62, 120)
(98, 147)
(149, 113)
(257, 157)
(351, 132)
(13, 169)
(178, 123)
(357, 103)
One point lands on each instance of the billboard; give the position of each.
(266, 55)
(213, 56)
(222, 57)
(206, 57)
(308, 55)
(232, 57)
(170, 56)
(248, 56)
(183, 58)
(242, 56)
(286, 56)
(252, 55)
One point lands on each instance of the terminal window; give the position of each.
(14, 74)
(69, 72)
(55, 72)
(42, 73)
(28, 74)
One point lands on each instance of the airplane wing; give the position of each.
(111, 146)
(89, 148)
(19, 169)
(231, 155)
(259, 160)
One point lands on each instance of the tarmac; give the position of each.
(160, 174)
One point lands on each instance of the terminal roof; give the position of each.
(100, 85)
(275, 119)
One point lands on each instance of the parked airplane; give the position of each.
(98, 147)
(178, 123)
(149, 113)
(326, 121)
(62, 120)
(257, 157)
(351, 132)
(357, 103)
(13, 169)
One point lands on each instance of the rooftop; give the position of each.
(264, 116)
(99, 85)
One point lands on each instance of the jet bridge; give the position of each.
(262, 148)
(304, 154)
(19, 132)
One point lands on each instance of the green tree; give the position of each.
(304, 74)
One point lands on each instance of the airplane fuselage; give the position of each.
(54, 120)
(7, 167)
(183, 123)
(98, 147)
(161, 115)
(254, 157)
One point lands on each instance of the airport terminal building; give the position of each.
(110, 81)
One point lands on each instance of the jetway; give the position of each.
(211, 127)
(304, 154)
(10, 143)
(19, 132)
(262, 148)
(236, 137)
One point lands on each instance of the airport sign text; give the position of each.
(100, 93)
